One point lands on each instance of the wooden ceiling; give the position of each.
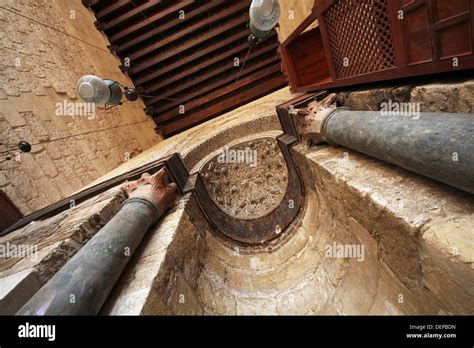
(184, 52)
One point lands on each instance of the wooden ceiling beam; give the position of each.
(215, 18)
(243, 97)
(129, 15)
(211, 49)
(129, 31)
(187, 72)
(210, 92)
(213, 72)
(189, 61)
(242, 18)
(90, 3)
(111, 8)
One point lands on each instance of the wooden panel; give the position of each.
(135, 12)
(203, 65)
(183, 53)
(404, 3)
(417, 35)
(455, 41)
(421, 35)
(452, 28)
(113, 7)
(310, 63)
(447, 9)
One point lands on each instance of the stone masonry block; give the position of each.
(46, 164)
(12, 115)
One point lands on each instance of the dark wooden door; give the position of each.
(9, 213)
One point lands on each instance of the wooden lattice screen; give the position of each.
(359, 41)
(360, 37)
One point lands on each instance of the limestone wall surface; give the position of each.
(431, 95)
(39, 69)
(293, 12)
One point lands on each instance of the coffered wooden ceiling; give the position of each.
(184, 52)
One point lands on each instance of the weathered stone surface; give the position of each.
(448, 261)
(17, 289)
(3, 179)
(49, 245)
(47, 165)
(370, 99)
(38, 269)
(247, 180)
(444, 96)
(11, 114)
(38, 75)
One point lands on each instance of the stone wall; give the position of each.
(431, 95)
(39, 68)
